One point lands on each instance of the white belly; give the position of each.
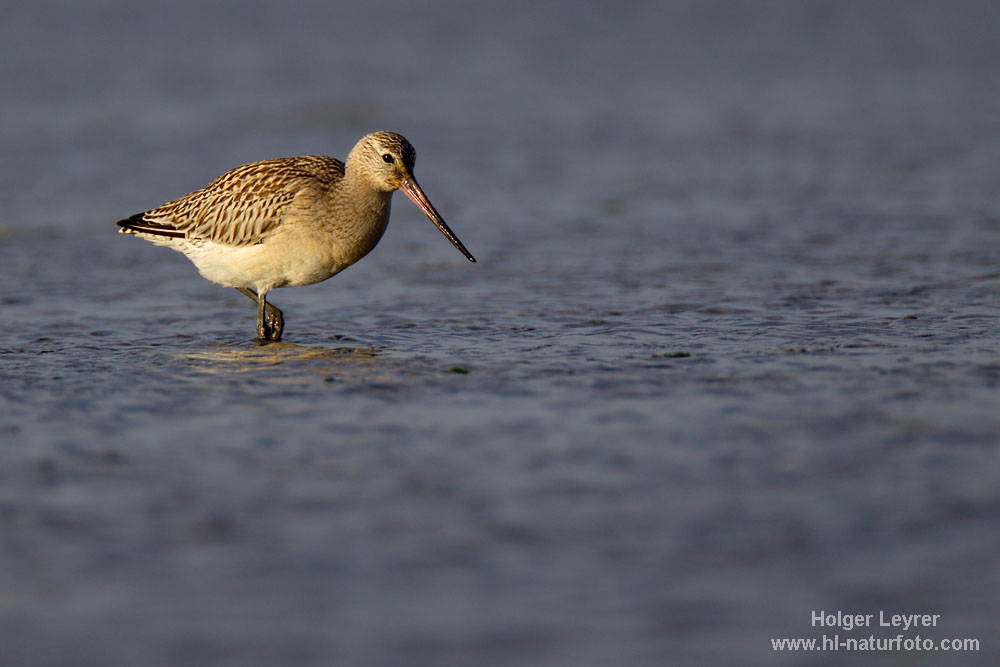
(261, 266)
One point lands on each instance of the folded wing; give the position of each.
(242, 206)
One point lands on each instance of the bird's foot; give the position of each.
(269, 327)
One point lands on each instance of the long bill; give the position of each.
(412, 190)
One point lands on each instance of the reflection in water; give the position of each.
(222, 358)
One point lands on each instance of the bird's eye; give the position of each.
(387, 158)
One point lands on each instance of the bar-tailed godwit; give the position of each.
(289, 221)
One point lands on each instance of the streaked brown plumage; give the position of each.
(289, 221)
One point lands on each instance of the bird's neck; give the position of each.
(358, 193)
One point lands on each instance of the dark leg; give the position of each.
(270, 321)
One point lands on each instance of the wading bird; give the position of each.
(290, 221)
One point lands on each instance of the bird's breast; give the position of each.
(354, 235)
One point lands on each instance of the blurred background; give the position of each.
(598, 99)
(729, 355)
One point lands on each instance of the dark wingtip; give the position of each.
(137, 224)
(129, 221)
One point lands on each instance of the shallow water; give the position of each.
(730, 353)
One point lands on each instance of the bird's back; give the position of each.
(243, 205)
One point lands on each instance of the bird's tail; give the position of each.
(137, 224)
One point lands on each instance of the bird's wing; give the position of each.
(241, 206)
